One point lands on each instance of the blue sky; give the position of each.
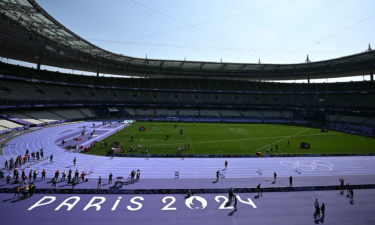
(276, 31)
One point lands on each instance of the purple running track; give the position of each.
(287, 208)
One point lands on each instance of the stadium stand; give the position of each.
(87, 112)
(251, 113)
(229, 112)
(145, 112)
(206, 97)
(3, 128)
(271, 113)
(184, 97)
(370, 121)
(209, 112)
(20, 115)
(333, 117)
(11, 89)
(353, 119)
(165, 96)
(130, 111)
(23, 90)
(7, 95)
(43, 115)
(188, 112)
(68, 113)
(286, 113)
(166, 112)
(8, 124)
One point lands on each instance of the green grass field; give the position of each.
(231, 138)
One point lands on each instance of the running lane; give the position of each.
(287, 208)
(166, 167)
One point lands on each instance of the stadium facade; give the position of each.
(171, 88)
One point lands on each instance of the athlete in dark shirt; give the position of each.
(259, 190)
(110, 178)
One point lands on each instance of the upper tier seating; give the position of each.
(172, 83)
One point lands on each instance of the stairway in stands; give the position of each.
(82, 113)
(281, 114)
(56, 114)
(262, 114)
(339, 117)
(370, 118)
(20, 112)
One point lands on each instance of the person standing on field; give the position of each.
(351, 195)
(316, 203)
(274, 175)
(110, 178)
(138, 175)
(226, 164)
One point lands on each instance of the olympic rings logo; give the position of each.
(316, 165)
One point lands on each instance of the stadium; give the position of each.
(171, 141)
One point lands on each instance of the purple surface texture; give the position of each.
(271, 208)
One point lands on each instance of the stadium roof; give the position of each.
(30, 34)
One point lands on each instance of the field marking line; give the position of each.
(89, 162)
(282, 139)
(247, 139)
(191, 144)
(236, 142)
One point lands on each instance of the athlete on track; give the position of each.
(259, 190)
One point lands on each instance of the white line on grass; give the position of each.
(191, 144)
(282, 139)
(247, 139)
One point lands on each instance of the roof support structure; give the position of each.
(262, 67)
(200, 66)
(161, 65)
(222, 67)
(241, 67)
(180, 66)
(39, 62)
(31, 20)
